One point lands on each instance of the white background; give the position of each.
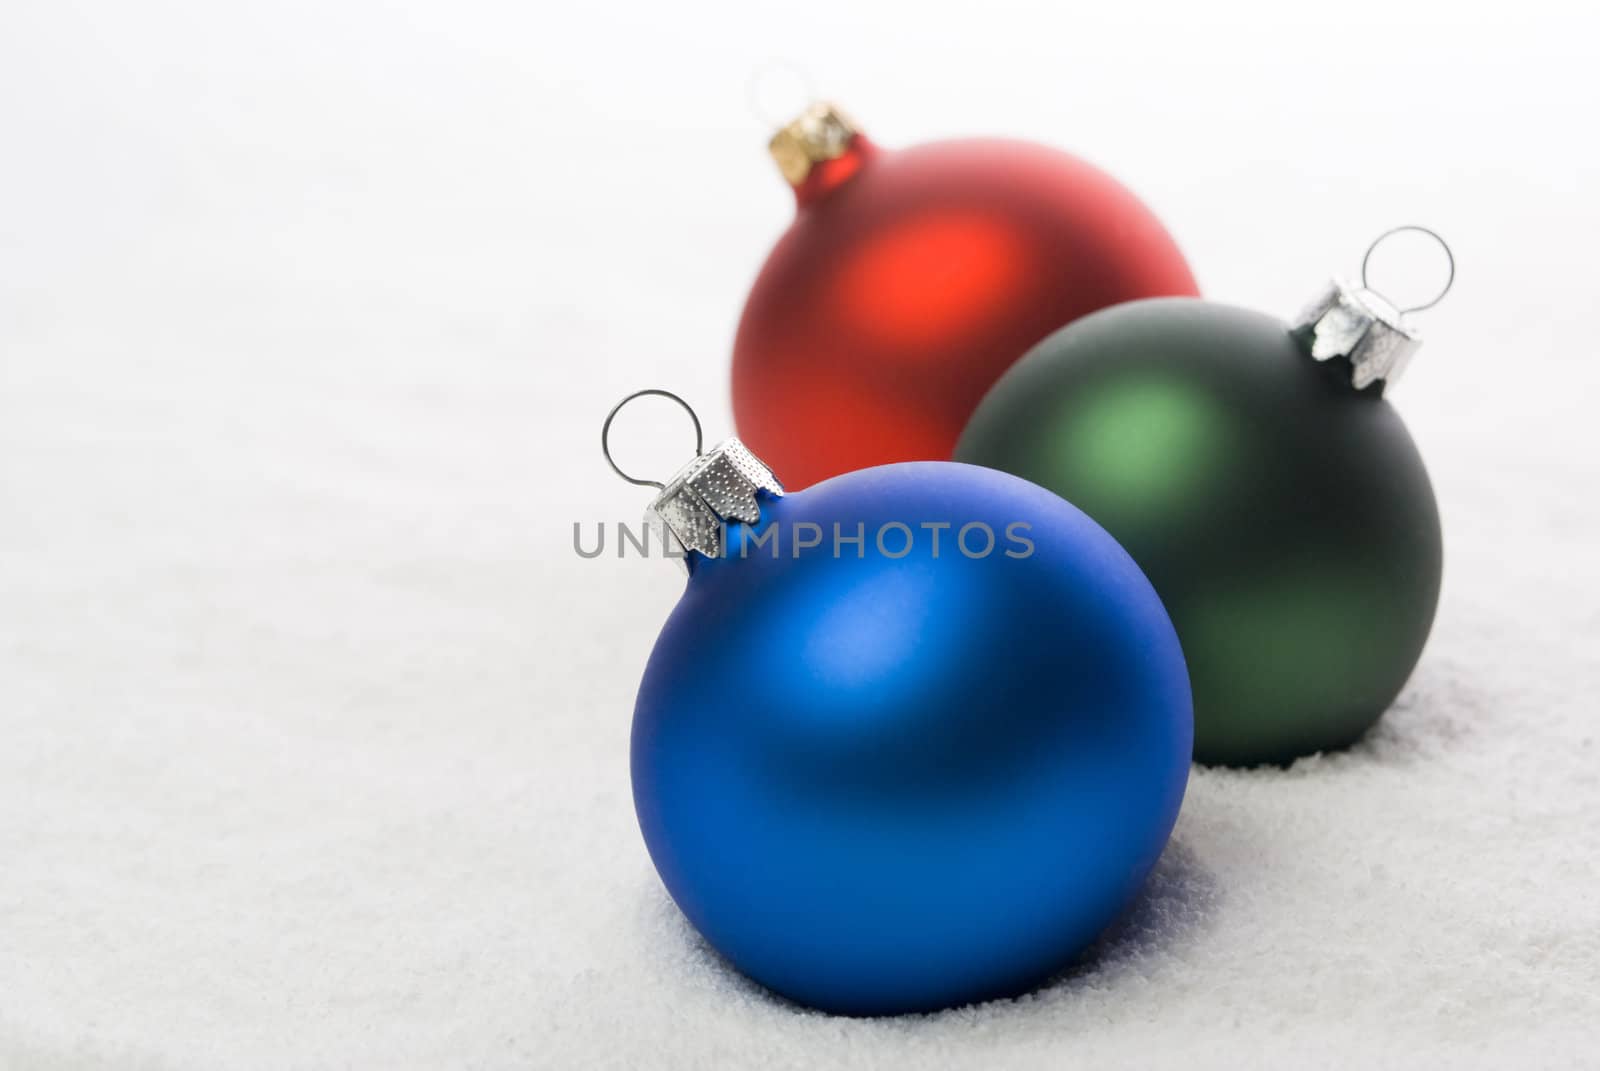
(312, 726)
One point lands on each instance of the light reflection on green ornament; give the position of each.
(1136, 445)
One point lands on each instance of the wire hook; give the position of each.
(605, 433)
(1449, 257)
(762, 85)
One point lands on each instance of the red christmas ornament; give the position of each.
(911, 279)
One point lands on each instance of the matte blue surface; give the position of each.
(883, 786)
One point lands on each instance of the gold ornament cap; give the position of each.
(820, 133)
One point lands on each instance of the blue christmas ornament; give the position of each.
(912, 737)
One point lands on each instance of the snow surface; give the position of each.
(313, 727)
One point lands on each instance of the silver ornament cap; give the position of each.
(717, 487)
(1362, 326)
(1351, 321)
(692, 510)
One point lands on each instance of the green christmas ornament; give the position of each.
(1270, 493)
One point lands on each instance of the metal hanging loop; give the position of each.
(762, 82)
(605, 433)
(1450, 259)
